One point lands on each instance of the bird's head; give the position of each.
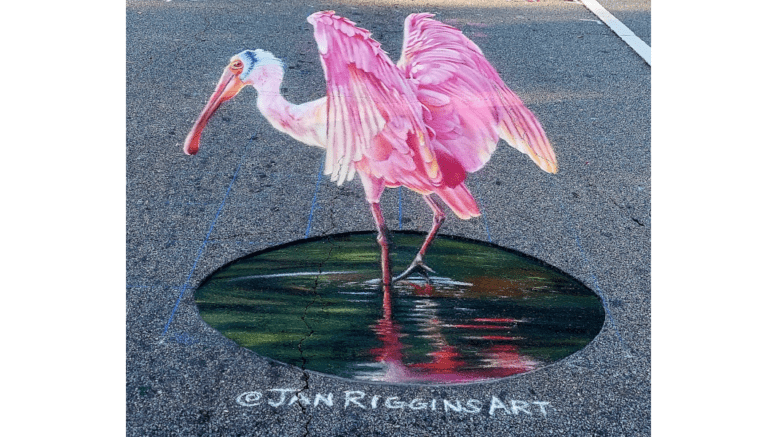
(249, 67)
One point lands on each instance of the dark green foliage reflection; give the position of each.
(318, 304)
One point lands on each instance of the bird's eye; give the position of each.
(236, 66)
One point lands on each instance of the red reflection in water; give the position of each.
(447, 362)
(426, 290)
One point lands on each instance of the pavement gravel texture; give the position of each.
(251, 188)
(635, 14)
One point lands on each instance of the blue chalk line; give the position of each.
(583, 253)
(315, 197)
(207, 236)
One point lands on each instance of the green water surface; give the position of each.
(488, 313)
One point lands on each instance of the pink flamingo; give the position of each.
(423, 123)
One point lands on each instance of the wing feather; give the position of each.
(368, 97)
(470, 106)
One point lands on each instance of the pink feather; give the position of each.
(441, 59)
(423, 123)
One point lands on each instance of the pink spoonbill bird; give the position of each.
(423, 123)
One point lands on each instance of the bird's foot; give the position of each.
(416, 266)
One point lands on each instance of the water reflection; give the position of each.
(488, 351)
(318, 304)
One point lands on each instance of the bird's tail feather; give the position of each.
(460, 200)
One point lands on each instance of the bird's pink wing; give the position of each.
(372, 111)
(469, 105)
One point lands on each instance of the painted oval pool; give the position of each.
(487, 313)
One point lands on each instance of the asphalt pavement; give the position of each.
(252, 187)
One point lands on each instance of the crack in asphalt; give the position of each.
(305, 375)
(625, 209)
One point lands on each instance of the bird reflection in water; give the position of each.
(322, 305)
(445, 363)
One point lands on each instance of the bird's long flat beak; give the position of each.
(229, 85)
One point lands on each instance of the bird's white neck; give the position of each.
(305, 123)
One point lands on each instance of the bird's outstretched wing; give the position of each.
(372, 110)
(469, 105)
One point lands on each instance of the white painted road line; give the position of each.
(620, 29)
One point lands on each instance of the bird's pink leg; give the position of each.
(418, 262)
(383, 240)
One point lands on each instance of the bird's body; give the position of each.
(423, 123)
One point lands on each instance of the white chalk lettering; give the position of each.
(282, 399)
(287, 397)
(447, 405)
(249, 398)
(473, 407)
(327, 400)
(496, 403)
(390, 403)
(299, 397)
(416, 404)
(520, 406)
(542, 407)
(350, 399)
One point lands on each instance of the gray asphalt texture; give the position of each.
(635, 14)
(592, 219)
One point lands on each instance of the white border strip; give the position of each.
(620, 29)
